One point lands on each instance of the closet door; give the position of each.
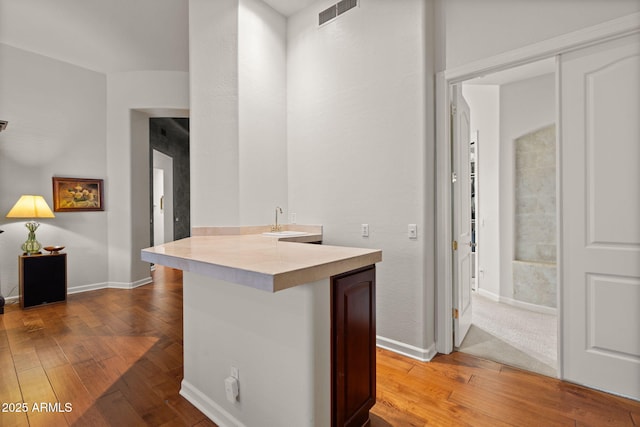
(600, 211)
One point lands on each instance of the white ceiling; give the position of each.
(108, 35)
(289, 7)
(101, 35)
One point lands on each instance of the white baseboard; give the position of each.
(520, 304)
(421, 354)
(93, 287)
(488, 295)
(208, 407)
(97, 286)
(87, 288)
(11, 300)
(528, 306)
(129, 285)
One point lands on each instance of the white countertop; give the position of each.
(259, 261)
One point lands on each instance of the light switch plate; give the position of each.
(413, 231)
(364, 228)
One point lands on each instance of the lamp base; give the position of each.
(31, 246)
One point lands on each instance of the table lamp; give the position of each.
(31, 207)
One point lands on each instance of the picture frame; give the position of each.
(77, 194)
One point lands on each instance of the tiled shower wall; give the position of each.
(534, 267)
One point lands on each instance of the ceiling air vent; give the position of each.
(345, 5)
(336, 10)
(327, 15)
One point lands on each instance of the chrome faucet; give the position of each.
(277, 227)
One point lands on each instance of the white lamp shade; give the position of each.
(30, 207)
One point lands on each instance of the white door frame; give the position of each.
(549, 48)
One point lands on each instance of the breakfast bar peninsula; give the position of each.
(277, 332)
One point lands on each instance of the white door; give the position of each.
(461, 188)
(158, 206)
(165, 163)
(600, 216)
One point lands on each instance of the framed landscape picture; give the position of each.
(77, 194)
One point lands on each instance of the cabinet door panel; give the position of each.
(353, 353)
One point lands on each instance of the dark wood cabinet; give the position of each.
(353, 349)
(43, 279)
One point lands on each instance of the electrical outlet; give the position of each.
(364, 229)
(413, 231)
(232, 389)
(292, 218)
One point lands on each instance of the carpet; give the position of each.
(513, 336)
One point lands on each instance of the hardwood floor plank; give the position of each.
(9, 384)
(205, 423)
(4, 339)
(38, 394)
(33, 322)
(502, 406)
(434, 410)
(151, 373)
(88, 316)
(73, 349)
(117, 411)
(138, 394)
(51, 355)
(384, 414)
(14, 419)
(161, 415)
(26, 358)
(385, 358)
(164, 360)
(117, 355)
(188, 413)
(69, 389)
(96, 379)
(130, 348)
(97, 347)
(402, 382)
(573, 403)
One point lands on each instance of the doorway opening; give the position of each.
(513, 217)
(162, 198)
(169, 178)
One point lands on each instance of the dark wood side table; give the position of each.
(43, 279)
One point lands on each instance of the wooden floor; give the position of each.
(114, 357)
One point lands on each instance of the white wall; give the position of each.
(479, 29)
(213, 124)
(133, 97)
(525, 106)
(280, 342)
(360, 132)
(238, 125)
(262, 77)
(484, 101)
(56, 113)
